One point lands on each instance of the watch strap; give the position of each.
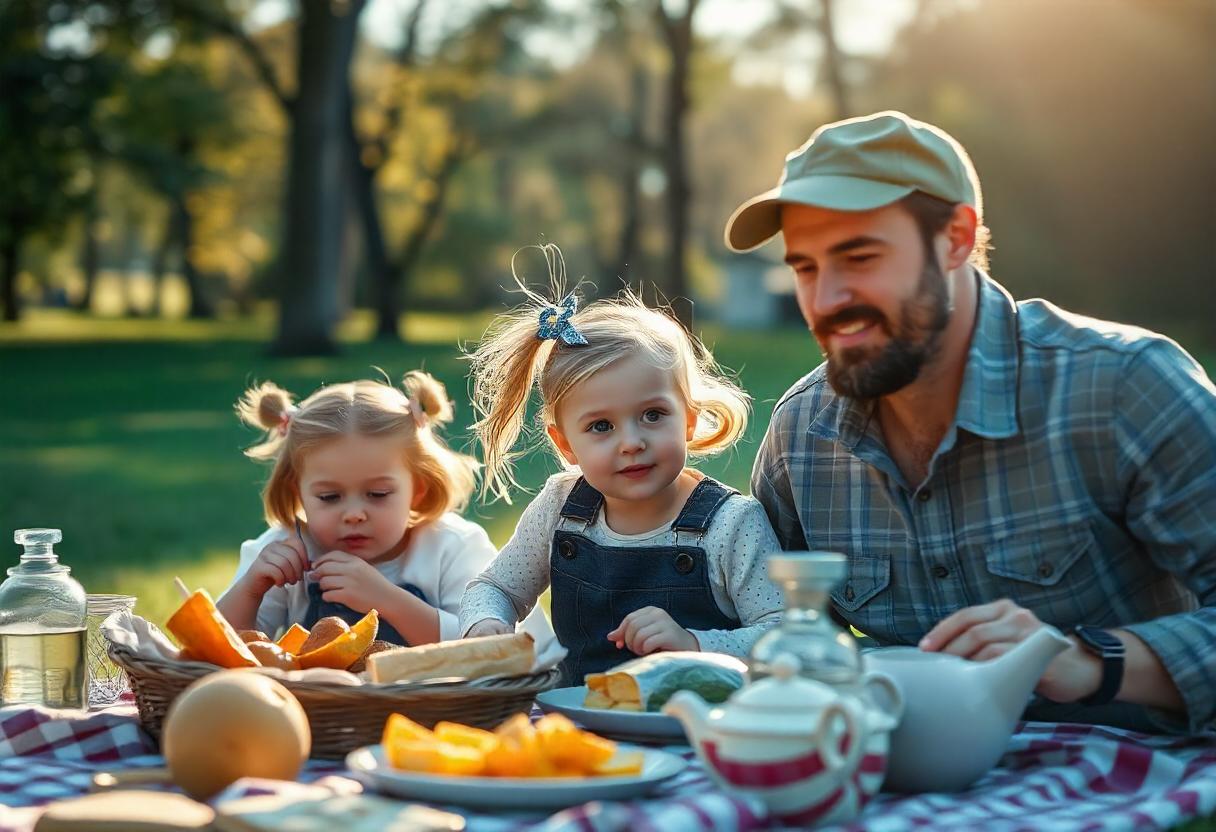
(1111, 651)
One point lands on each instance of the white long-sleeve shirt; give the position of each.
(440, 559)
(736, 545)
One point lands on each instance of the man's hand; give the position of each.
(651, 629)
(346, 579)
(990, 630)
(489, 627)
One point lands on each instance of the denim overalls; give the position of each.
(319, 608)
(594, 587)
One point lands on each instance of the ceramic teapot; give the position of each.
(958, 714)
(811, 753)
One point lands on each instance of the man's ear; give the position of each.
(563, 445)
(960, 236)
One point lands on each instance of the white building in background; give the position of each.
(758, 292)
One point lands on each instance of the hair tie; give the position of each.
(421, 420)
(285, 420)
(555, 323)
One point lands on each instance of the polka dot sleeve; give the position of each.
(508, 588)
(738, 543)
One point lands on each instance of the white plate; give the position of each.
(634, 725)
(368, 765)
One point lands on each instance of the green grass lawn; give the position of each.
(122, 434)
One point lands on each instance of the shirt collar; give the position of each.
(988, 400)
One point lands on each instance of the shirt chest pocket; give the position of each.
(1049, 571)
(865, 579)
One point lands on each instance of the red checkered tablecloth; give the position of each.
(1054, 777)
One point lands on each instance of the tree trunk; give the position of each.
(10, 258)
(431, 211)
(183, 222)
(832, 58)
(678, 32)
(160, 262)
(379, 268)
(90, 251)
(316, 178)
(631, 190)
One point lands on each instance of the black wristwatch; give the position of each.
(1110, 650)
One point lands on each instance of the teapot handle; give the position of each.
(827, 740)
(884, 693)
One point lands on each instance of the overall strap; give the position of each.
(702, 504)
(583, 503)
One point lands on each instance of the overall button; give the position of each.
(1046, 570)
(849, 595)
(566, 549)
(940, 571)
(684, 563)
(924, 495)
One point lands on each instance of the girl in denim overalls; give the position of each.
(361, 503)
(641, 553)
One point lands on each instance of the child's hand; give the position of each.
(279, 564)
(489, 627)
(651, 629)
(346, 579)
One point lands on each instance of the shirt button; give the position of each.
(1045, 570)
(566, 548)
(684, 563)
(924, 495)
(940, 571)
(849, 595)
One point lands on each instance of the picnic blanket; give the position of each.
(1057, 777)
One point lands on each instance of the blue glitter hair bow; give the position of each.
(555, 323)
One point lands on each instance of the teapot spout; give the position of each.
(692, 712)
(1012, 677)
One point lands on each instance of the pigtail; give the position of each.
(504, 369)
(721, 404)
(429, 394)
(269, 407)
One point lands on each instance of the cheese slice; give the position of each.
(509, 654)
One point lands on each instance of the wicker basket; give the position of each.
(344, 717)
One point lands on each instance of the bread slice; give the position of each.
(472, 658)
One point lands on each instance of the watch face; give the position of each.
(1102, 641)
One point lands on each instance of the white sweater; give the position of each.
(441, 558)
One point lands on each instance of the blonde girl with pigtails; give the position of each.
(642, 553)
(361, 501)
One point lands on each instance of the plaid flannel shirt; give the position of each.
(1078, 479)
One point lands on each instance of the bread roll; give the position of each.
(471, 658)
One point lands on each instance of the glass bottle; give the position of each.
(825, 652)
(43, 621)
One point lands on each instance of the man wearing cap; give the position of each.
(987, 465)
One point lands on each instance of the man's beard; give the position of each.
(873, 372)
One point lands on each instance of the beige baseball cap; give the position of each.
(860, 164)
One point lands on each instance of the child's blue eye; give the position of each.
(651, 416)
(600, 426)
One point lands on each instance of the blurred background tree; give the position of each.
(336, 155)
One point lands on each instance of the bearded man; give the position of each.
(987, 465)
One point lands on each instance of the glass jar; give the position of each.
(825, 652)
(42, 627)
